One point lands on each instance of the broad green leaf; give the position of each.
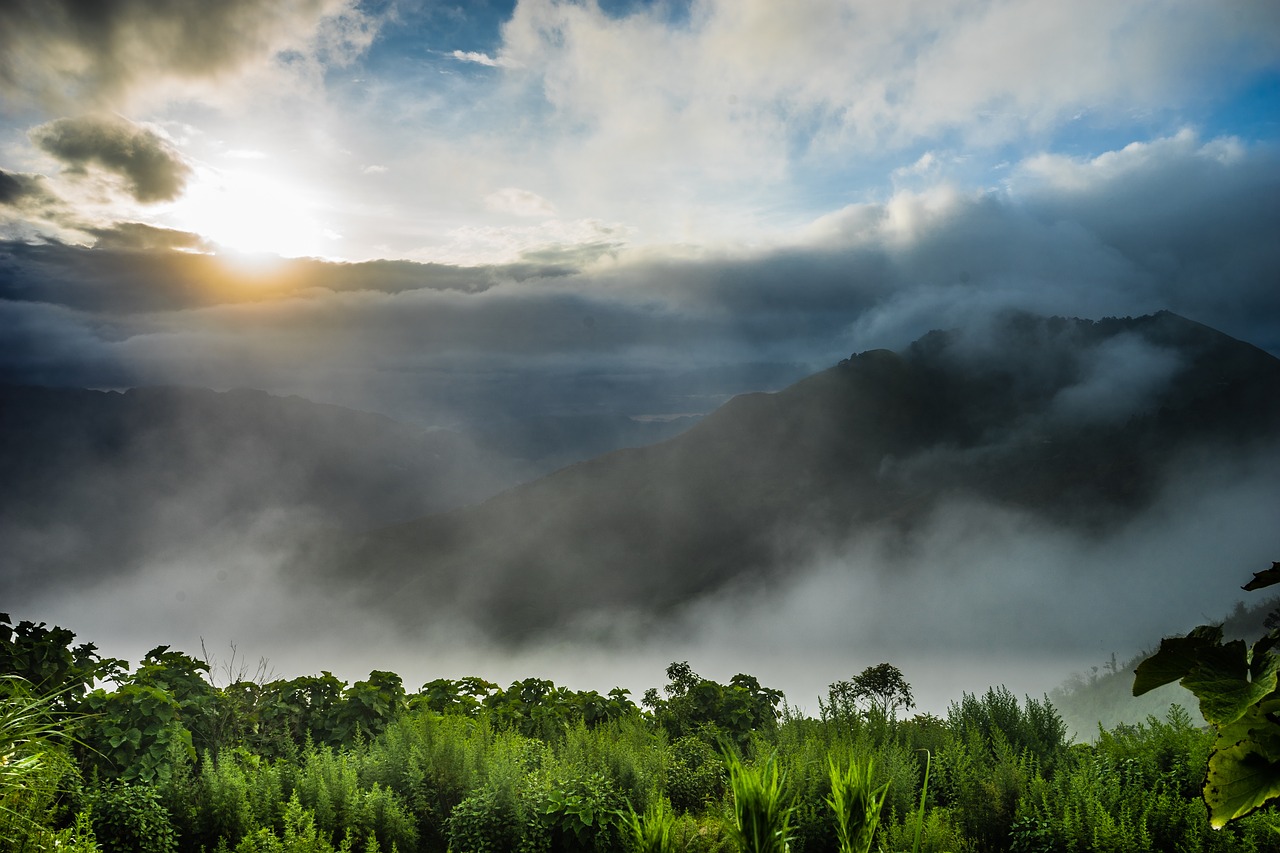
(1244, 768)
(1175, 659)
(1226, 685)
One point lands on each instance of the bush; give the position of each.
(329, 787)
(704, 834)
(485, 822)
(1135, 790)
(695, 774)
(573, 814)
(131, 819)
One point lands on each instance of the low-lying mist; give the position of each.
(974, 596)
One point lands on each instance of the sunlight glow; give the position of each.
(249, 213)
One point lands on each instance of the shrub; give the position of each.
(582, 814)
(695, 774)
(485, 822)
(131, 819)
(703, 834)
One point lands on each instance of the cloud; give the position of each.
(478, 58)
(31, 211)
(1121, 376)
(518, 202)
(20, 191)
(1175, 229)
(744, 94)
(152, 169)
(65, 55)
(138, 236)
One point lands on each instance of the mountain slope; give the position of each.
(1077, 421)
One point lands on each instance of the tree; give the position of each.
(694, 702)
(882, 686)
(44, 658)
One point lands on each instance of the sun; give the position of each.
(252, 213)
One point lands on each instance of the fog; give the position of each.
(976, 596)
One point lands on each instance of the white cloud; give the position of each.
(479, 58)
(729, 108)
(518, 202)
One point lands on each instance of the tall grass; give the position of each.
(762, 813)
(31, 758)
(652, 833)
(856, 803)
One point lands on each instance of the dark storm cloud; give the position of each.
(139, 236)
(30, 210)
(61, 53)
(25, 193)
(153, 170)
(11, 188)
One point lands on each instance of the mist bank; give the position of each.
(979, 596)
(1007, 503)
(1079, 424)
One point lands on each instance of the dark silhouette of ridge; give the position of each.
(1077, 421)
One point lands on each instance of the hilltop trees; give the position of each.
(694, 703)
(882, 687)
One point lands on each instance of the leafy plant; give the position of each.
(1237, 689)
(761, 812)
(652, 833)
(485, 822)
(45, 659)
(856, 804)
(573, 813)
(128, 734)
(39, 781)
(695, 773)
(131, 819)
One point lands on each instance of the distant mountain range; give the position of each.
(1079, 422)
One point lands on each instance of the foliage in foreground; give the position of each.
(1240, 697)
(167, 761)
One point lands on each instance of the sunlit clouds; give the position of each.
(255, 213)
(716, 124)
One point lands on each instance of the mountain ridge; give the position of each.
(1077, 421)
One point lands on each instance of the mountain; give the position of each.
(1078, 422)
(110, 479)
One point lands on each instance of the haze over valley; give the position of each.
(571, 339)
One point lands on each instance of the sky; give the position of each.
(451, 211)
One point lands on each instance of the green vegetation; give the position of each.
(163, 760)
(1239, 696)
